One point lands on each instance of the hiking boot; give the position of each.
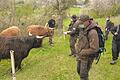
(113, 62)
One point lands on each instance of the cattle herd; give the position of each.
(11, 39)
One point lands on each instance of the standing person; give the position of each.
(115, 44)
(109, 24)
(51, 24)
(86, 47)
(73, 35)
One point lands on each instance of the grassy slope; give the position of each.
(53, 63)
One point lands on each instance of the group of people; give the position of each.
(84, 41)
(84, 45)
(115, 40)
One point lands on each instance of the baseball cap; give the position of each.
(84, 18)
(74, 16)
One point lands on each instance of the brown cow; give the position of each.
(11, 31)
(39, 30)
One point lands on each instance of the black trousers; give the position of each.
(115, 49)
(83, 67)
(106, 34)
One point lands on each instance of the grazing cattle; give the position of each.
(39, 30)
(11, 31)
(21, 47)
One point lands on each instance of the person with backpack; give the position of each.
(87, 46)
(115, 44)
(109, 24)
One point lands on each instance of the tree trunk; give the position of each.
(60, 24)
(13, 13)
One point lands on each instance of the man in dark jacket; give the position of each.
(51, 24)
(86, 47)
(115, 43)
(109, 24)
(72, 31)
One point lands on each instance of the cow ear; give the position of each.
(39, 37)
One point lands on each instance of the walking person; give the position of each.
(115, 44)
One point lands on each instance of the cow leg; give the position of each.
(16, 65)
(19, 65)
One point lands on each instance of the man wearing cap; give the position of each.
(108, 26)
(73, 35)
(86, 47)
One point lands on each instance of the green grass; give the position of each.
(74, 11)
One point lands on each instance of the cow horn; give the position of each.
(39, 36)
(30, 34)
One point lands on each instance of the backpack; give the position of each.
(101, 42)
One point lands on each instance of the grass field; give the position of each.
(53, 63)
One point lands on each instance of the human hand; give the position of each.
(115, 33)
(65, 33)
(106, 29)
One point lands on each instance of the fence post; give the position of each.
(13, 64)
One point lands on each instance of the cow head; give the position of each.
(38, 41)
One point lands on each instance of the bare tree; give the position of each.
(13, 18)
(4, 4)
(60, 7)
(105, 7)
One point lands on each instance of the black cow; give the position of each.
(21, 47)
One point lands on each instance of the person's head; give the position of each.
(73, 18)
(85, 20)
(108, 18)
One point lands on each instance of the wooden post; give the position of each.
(13, 64)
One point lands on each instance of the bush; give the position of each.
(114, 10)
(104, 8)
